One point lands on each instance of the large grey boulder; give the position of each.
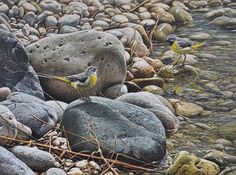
(72, 53)
(31, 111)
(10, 165)
(15, 70)
(118, 126)
(156, 105)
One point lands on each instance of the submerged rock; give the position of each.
(118, 126)
(185, 163)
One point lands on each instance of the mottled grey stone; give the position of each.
(55, 171)
(50, 5)
(31, 111)
(29, 18)
(152, 103)
(35, 158)
(10, 165)
(69, 20)
(118, 126)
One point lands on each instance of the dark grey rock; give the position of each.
(118, 126)
(10, 165)
(152, 103)
(36, 159)
(15, 70)
(29, 110)
(55, 171)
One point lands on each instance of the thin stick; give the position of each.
(144, 2)
(78, 154)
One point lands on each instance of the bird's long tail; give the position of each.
(197, 45)
(53, 77)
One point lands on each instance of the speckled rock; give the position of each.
(36, 159)
(80, 8)
(58, 106)
(86, 48)
(28, 7)
(100, 23)
(10, 165)
(68, 29)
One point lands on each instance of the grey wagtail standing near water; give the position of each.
(182, 46)
(82, 81)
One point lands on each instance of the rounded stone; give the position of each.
(163, 31)
(68, 29)
(154, 89)
(187, 109)
(4, 8)
(29, 7)
(119, 18)
(55, 171)
(69, 20)
(50, 5)
(202, 36)
(4, 92)
(29, 18)
(181, 15)
(100, 23)
(145, 15)
(36, 159)
(51, 21)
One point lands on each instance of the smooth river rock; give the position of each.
(152, 103)
(35, 158)
(10, 165)
(29, 110)
(72, 53)
(118, 126)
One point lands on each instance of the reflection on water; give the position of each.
(218, 59)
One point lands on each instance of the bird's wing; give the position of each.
(184, 43)
(82, 78)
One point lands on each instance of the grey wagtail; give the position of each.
(81, 81)
(182, 46)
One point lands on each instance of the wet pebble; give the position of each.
(51, 21)
(69, 20)
(50, 5)
(154, 89)
(119, 18)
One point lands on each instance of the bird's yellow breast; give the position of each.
(92, 81)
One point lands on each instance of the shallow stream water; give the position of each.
(217, 65)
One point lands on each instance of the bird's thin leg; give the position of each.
(177, 60)
(184, 60)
